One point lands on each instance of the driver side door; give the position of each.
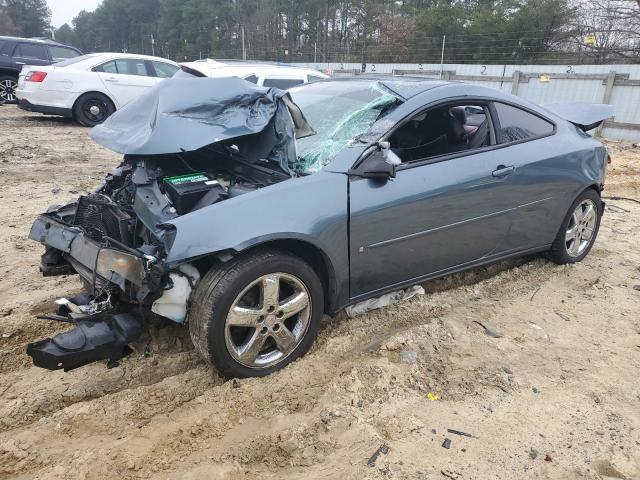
(439, 214)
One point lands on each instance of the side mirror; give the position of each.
(378, 168)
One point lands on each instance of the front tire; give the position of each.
(256, 314)
(92, 109)
(579, 229)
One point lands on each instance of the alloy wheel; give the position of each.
(8, 90)
(581, 228)
(268, 320)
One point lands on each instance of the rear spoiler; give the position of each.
(585, 116)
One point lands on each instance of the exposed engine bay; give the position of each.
(116, 240)
(182, 154)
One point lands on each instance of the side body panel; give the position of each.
(429, 218)
(311, 209)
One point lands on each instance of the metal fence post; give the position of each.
(606, 98)
(515, 81)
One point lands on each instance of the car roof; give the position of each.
(106, 55)
(44, 41)
(403, 85)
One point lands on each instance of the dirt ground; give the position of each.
(554, 395)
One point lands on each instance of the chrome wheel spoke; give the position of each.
(243, 317)
(270, 291)
(588, 214)
(250, 350)
(285, 340)
(571, 233)
(294, 304)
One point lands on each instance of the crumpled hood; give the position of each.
(586, 116)
(186, 114)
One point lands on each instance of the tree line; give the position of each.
(412, 31)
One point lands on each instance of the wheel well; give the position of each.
(304, 250)
(75, 104)
(594, 187)
(10, 73)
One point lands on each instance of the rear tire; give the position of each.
(8, 85)
(579, 229)
(92, 109)
(256, 314)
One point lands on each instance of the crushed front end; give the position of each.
(181, 154)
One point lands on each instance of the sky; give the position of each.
(63, 11)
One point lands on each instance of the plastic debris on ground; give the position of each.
(384, 301)
(432, 397)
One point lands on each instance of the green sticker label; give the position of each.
(191, 178)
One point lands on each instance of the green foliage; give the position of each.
(326, 30)
(29, 17)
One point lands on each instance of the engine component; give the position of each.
(173, 302)
(185, 191)
(99, 217)
(241, 189)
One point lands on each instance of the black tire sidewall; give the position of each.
(559, 250)
(230, 286)
(79, 113)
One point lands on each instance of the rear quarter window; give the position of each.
(164, 70)
(517, 124)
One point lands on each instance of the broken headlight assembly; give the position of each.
(117, 266)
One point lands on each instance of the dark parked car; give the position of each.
(251, 212)
(16, 52)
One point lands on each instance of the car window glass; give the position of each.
(109, 67)
(31, 50)
(313, 78)
(282, 83)
(60, 53)
(516, 124)
(442, 131)
(251, 78)
(2, 44)
(165, 70)
(339, 113)
(130, 66)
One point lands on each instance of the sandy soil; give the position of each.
(554, 396)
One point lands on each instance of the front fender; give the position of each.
(312, 209)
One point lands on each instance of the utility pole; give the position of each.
(444, 37)
(244, 50)
(153, 45)
(315, 52)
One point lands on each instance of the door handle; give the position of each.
(502, 171)
(20, 63)
(111, 80)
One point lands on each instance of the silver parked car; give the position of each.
(249, 212)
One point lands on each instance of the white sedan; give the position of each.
(264, 74)
(91, 87)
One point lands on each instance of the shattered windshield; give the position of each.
(339, 112)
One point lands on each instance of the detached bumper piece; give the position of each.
(107, 338)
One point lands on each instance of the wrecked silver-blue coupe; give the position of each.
(247, 212)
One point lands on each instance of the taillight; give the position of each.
(37, 77)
